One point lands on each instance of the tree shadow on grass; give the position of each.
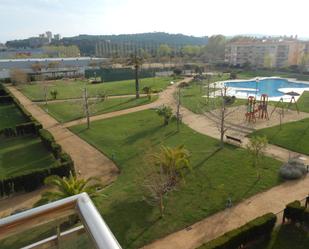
(204, 160)
(142, 134)
(129, 221)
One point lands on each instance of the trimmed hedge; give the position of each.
(31, 181)
(5, 99)
(296, 213)
(32, 126)
(258, 228)
(51, 145)
(35, 179)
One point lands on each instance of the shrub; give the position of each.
(183, 84)
(292, 170)
(33, 180)
(54, 94)
(5, 99)
(233, 75)
(253, 230)
(296, 213)
(26, 128)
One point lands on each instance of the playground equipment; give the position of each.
(263, 105)
(262, 108)
(251, 111)
(280, 104)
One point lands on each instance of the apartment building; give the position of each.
(265, 52)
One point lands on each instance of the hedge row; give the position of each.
(35, 179)
(49, 142)
(32, 126)
(5, 99)
(258, 228)
(31, 181)
(296, 213)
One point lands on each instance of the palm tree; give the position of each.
(65, 187)
(166, 112)
(136, 61)
(173, 161)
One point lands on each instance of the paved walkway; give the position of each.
(273, 200)
(88, 160)
(166, 97)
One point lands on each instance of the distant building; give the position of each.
(265, 52)
(50, 67)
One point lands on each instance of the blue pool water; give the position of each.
(266, 86)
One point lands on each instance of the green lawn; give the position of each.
(71, 110)
(10, 116)
(192, 98)
(216, 175)
(302, 103)
(73, 89)
(23, 155)
(293, 136)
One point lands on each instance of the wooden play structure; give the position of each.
(261, 110)
(281, 105)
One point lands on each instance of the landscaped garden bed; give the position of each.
(216, 176)
(68, 89)
(26, 158)
(71, 110)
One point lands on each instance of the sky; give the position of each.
(25, 18)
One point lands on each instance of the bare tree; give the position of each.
(166, 171)
(18, 76)
(88, 105)
(256, 148)
(156, 185)
(220, 113)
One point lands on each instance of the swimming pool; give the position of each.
(275, 88)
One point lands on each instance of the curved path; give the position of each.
(165, 98)
(273, 200)
(87, 159)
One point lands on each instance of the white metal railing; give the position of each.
(81, 204)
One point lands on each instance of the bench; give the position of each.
(233, 138)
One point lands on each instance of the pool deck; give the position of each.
(232, 91)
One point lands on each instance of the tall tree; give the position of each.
(215, 49)
(136, 61)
